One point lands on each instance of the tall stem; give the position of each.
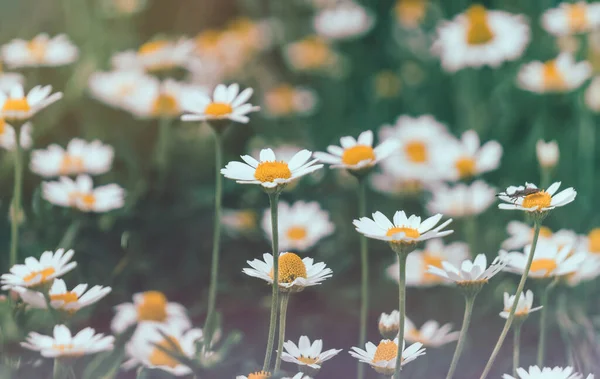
(469, 301)
(543, 322)
(60, 370)
(273, 199)
(16, 214)
(471, 233)
(364, 265)
(511, 315)
(516, 348)
(401, 308)
(285, 298)
(214, 271)
(66, 242)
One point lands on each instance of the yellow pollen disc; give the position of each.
(280, 100)
(543, 264)
(165, 105)
(430, 260)
(88, 200)
(153, 307)
(2, 125)
(577, 16)
(45, 273)
(544, 232)
(161, 358)
(269, 171)
(537, 200)
(37, 49)
(152, 47)
(358, 153)
(478, 29)
(296, 233)
(522, 312)
(63, 347)
(259, 375)
(307, 360)
(67, 297)
(313, 53)
(218, 109)
(552, 77)
(594, 240)
(386, 351)
(408, 232)
(465, 167)
(16, 105)
(416, 152)
(291, 267)
(410, 13)
(208, 40)
(71, 164)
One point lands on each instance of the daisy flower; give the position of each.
(547, 153)
(589, 269)
(63, 299)
(295, 273)
(546, 373)
(468, 158)
(239, 221)
(309, 357)
(312, 53)
(15, 106)
(121, 8)
(63, 344)
(521, 234)
(7, 137)
(475, 271)
(395, 183)
(36, 273)
(80, 157)
(226, 103)
(591, 242)
(481, 37)
(434, 253)
(255, 375)
(40, 51)
(270, 172)
(149, 306)
(557, 75)
(301, 225)
(9, 80)
(382, 358)
(114, 88)
(345, 21)
(156, 55)
(357, 154)
(144, 347)
(571, 18)
(524, 306)
(540, 201)
(431, 333)
(80, 194)
(389, 324)
(549, 260)
(462, 199)
(285, 100)
(410, 13)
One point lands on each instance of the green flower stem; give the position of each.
(364, 264)
(511, 315)
(66, 242)
(273, 199)
(402, 255)
(60, 371)
(543, 323)
(285, 298)
(545, 176)
(470, 224)
(516, 347)
(16, 212)
(469, 301)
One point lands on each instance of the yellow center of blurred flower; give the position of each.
(63, 347)
(537, 200)
(410, 13)
(45, 273)
(577, 16)
(594, 240)
(313, 53)
(478, 29)
(416, 151)
(520, 312)
(414, 335)
(37, 48)
(165, 105)
(67, 297)
(2, 125)
(88, 200)
(269, 171)
(127, 6)
(546, 265)
(246, 219)
(291, 267)
(408, 232)
(280, 100)
(552, 77)
(544, 232)
(430, 260)
(153, 307)
(16, 105)
(259, 375)
(358, 153)
(218, 109)
(307, 360)
(152, 47)
(159, 357)
(386, 351)
(465, 167)
(296, 233)
(208, 41)
(70, 164)
(387, 84)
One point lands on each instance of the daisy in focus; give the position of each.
(524, 306)
(152, 98)
(64, 345)
(80, 157)
(226, 103)
(431, 333)
(114, 88)
(547, 153)
(481, 37)
(562, 74)
(7, 137)
(309, 357)
(549, 260)
(63, 299)
(40, 51)
(537, 200)
(571, 18)
(295, 273)
(462, 200)
(36, 273)
(287, 100)
(301, 225)
(469, 272)
(149, 306)
(270, 172)
(81, 194)
(468, 158)
(156, 55)
(345, 21)
(535, 372)
(15, 106)
(382, 358)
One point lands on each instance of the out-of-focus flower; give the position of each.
(114, 88)
(309, 357)
(152, 98)
(10, 79)
(226, 103)
(239, 221)
(285, 100)
(591, 242)
(116, 8)
(547, 153)
(549, 260)
(149, 307)
(592, 95)
(63, 344)
(35, 273)
(310, 54)
(387, 84)
(389, 325)
(571, 18)
(79, 157)
(382, 358)
(562, 74)
(521, 234)
(156, 55)
(410, 13)
(396, 184)
(467, 158)
(7, 137)
(63, 299)
(301, 225)
(462, 199)
(540, 201)
(256, 375)
(40, 51)
(469, 271)
(547, 373)
(15, 106)
(589, 269)
(481, 37)
(81, 194)
(434, 253)
(431, 333)
(524, 306)
(344, 21)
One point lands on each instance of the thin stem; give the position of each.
(273, 199)
(516, 348)
(511, 315)
(471, 233)
(60, 370)
(469, 301)
(66, 242)
(285, 298)
(364, 264)
(401, 309)
(543, 322)
(545, 176)
(16, 214)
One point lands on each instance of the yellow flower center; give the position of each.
(313, 53)
(478, 29)
(67, 297)
(386, 351)
(280, 100)
(465, 167)
(291, 267)
(37, 48)
(45, 273)
(2, 126)
(218, 109)
(430, 260)
(296, 233)
(358, 153)
(520, 312)
(544, 264)
(16, 105)
(152, 47)
(577, 16)
(208, 41)
(153, 307)
(594, 240)
(126, 6)
(416, 151)
(537, 200)
(70, 164)
(165, 105)
(88, 200)
(269, 171)
(408, 232)
(552, 77)
(160, 358)
(63, 347)
(544, 232)
(308, 360)
(259, 375)
(246, 219)
(410, 13)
